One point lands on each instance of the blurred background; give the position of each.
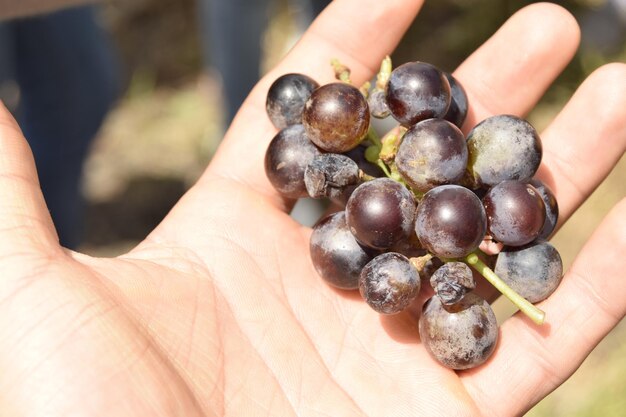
(175, 73)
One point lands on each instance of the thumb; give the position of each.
(25, 222)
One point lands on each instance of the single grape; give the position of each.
(515, 213)
(452, 281)
(378, 104)
(337, 256)
(389, 283)
(380, 213)
(450, 221)
(286, 158)
(286, 98)
(417, 91)
(534, 271)
(503, 148)
(336, 117)
(552, 209)
(433, 152)
(460, 336)
(329, 174)
(457, 112)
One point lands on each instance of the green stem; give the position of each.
(365, 177)
(390, 147)
(382, 166)
(371, 154)
(383, 75)
(535, 314)
(373, 137)
(395, 174)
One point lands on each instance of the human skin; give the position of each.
(219, 311)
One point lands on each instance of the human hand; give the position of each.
(220, 312)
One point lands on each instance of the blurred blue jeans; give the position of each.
(67, 76)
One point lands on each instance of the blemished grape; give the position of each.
(552, 209)
(378, 104)
(432, 153)
(389, 283)
(452, 281)
(515, 213)
(503, 148)
(450, 221)
(286, 98)
(457, 112)
(336, 117)
(380, 213)
(286, 158)
(460, 336)
(337, 256)
(417, 91)
(534, 271)
(329, 174)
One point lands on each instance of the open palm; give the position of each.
(220, 312)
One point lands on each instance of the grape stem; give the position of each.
(384, 167)
(365, 89)
(342, 72)
(535, 314)
(389, 147)
(385, 72)
(365, 177)
(420, 262)
(374, 139)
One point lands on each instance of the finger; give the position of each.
(24, 218)
(532, 361)
(513, 69)
(379, 26)
(586, 139)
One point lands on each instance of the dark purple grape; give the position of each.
(533, 271)
(380, 213)
(457, 112)
(515, 213)
(336, 117)
(358, 155)
(503, 148)
(286, 98)
(460, 336)
(432, 153)
(389, 283)
(417, 91)
(378, 104)
(286, 158)
(452, 282)
(552, 209)
(336, 255)
(450, 221)
(329, 174)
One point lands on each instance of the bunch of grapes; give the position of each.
(420, 203)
